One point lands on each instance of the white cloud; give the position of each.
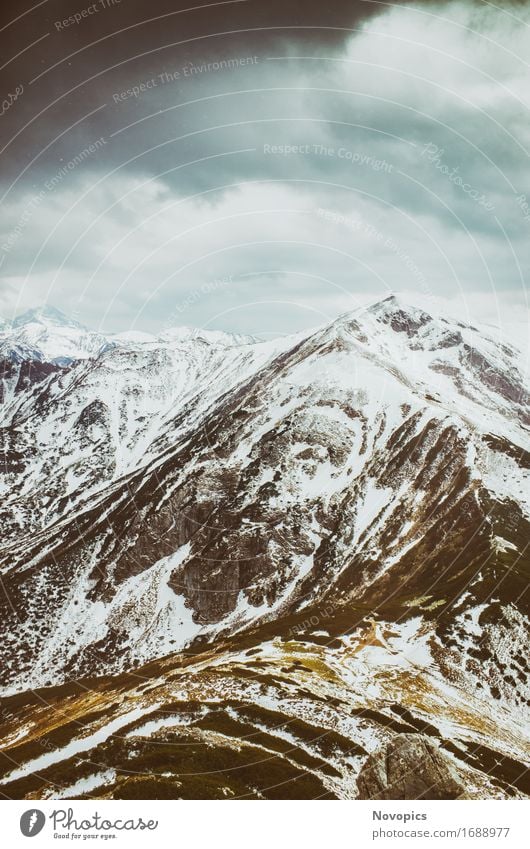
(131, 248)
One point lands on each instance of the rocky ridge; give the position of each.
(348, 501)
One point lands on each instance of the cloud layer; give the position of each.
(268, 184)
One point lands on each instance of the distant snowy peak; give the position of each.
(179, 335)
(132, 338)
(212, 337)
(46, 316)
(51, 343)
(45, 334)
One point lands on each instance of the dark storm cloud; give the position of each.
(151, 153)
(83, 52)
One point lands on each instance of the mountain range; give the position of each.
(235, 568)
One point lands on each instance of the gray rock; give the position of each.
(410, 766)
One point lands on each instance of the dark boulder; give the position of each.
(410, 766)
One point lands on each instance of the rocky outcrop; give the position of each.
(223, 487)
(410, 766)
(331, 531)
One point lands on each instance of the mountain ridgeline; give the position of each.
(276, 556)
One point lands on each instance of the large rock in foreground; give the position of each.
(410, 766)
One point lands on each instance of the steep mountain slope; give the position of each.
(50, 336)
(70, 431)
(352, 507)
(288, 711)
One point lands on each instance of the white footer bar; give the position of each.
(230, 825)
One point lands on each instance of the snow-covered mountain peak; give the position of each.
(403, 327)
(455, 366)
(46, 334)
(195, 489)
(393, 312)
(399, 314)
(47, 316)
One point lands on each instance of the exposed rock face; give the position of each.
(410, 766)
(166, 491)
(333, 530)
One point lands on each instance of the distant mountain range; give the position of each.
(48, 335)
(290, 551)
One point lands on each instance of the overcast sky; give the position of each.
(263, 166)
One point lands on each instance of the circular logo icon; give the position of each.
(32, 822)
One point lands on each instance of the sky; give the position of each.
(263, 167)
